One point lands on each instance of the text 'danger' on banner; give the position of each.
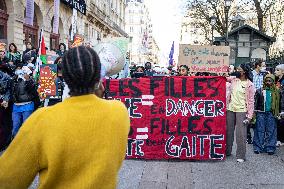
(213, 59)
(174, 117)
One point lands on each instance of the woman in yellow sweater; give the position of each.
(77, 144)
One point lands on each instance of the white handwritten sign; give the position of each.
(213, 59)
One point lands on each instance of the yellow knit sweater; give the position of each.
(77, 144)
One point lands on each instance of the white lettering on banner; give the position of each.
(29, 12)
(136, 145)
(188, 147)
(142, 130)
(206, 108)
(141, 137)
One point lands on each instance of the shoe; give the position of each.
(270, 153)
(278, 143)
(240, 160)
(256, 152)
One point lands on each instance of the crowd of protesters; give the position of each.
(255, 100)
(18, 88)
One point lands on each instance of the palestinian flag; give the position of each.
(42, 51)
(41, 59)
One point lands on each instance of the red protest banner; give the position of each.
(47, 87)
(174, 117)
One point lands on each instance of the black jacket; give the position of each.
(24, 91)
(281, 81)
(259, 101)
(6, 86)
(6, 67)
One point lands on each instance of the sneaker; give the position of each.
(278, 143)
(240, 160)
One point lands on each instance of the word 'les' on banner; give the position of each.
(213, 59)
(174, 117)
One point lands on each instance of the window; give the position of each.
(3, 20)
(54, 38)
(31, 32)
(54, 41)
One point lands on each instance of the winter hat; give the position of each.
(270, 76)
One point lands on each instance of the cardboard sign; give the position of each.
(212, 59)
(47, 81)
(174, 117)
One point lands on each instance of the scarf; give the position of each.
(275, 101)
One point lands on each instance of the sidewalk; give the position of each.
(258, 172)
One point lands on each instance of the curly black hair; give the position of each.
(81, 68)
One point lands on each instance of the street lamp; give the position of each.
(227, 8)
(213, 20)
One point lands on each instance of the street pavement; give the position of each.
(260, 171)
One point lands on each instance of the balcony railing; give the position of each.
(101, 15)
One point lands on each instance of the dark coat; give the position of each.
(6, 86)
(24, 91)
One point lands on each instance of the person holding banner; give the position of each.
(183, 70)
(77, 143)
(267, 101)
(240, 110)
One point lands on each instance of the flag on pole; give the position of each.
(171, 55)
(41, 59)
(42, 51)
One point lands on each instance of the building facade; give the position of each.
(143, 47)
(273, 22)
(101, 19)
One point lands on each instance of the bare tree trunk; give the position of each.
(259, 14)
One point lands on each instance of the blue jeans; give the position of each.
(18, 119)
(265, 132)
